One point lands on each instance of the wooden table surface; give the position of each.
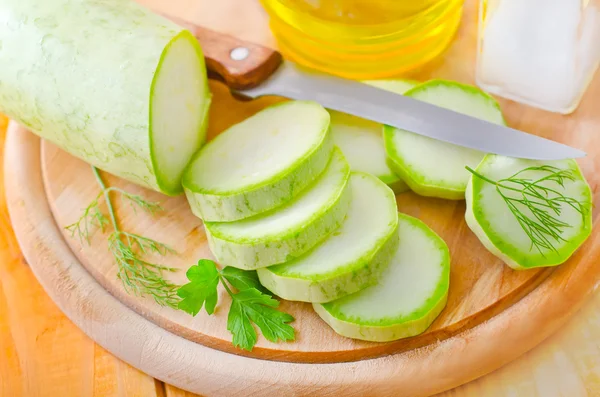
(43, 354)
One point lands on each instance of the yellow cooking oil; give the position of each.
(363, 39)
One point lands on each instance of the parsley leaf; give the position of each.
(238, 323)
(252, 304)
(202, 288)
(242, 279)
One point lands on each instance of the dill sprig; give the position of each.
(139, 276)
(537, 203)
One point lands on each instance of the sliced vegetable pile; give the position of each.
(290, 231)
(350, 259)
(409, 295)
(299, 194)
(318, 223)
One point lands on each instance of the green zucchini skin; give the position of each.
(330, 276)
(365, 272)
(498, 230)
(227, 205)
(266, 249)
(408, 153)
(410, 274)
(81, 74)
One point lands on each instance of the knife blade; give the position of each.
(252, 70)
(406, 113)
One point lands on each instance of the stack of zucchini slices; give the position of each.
(278, 195)
(306, 197)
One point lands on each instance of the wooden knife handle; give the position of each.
(240, 64)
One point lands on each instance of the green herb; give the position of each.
(202, 288)
(249, 305)
(537, 204)
(139, 276)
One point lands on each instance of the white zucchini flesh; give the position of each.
(431, 167)
(288, 231)
(362, 143)
(260, 163)
(490, 218)
(361, 140)
(410, 294)
(109, 82)
(351, 258)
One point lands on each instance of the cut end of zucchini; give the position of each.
(178, 108)
(260, 163)
(431, 167)
(351, 258)
(288, 231)
(410, 294)
(490, 218)
(260, 148)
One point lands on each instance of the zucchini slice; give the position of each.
(431, 167)
(289, 231)
(260, 163)
(361, 140)
(411, 292)
(351, 258)
(107, 81)
(492, 210)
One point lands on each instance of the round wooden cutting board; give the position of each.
(493, 313)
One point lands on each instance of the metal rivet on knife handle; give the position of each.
(240, 64)
(239, 53)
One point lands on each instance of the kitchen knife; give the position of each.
(252, 70)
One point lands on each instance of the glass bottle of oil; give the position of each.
(363, 39)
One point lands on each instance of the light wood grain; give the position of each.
(566, 364)
(180, 362)
(41, 352)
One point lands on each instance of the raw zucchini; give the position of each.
(289, 231)
(109, 82)
(490, 217)
(351, 258)
(362, 143)
(410, 294)
(361, 140)
(431, 167)
(260, 163)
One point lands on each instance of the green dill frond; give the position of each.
(138, 202)
(537, 204)
(92, 217)
(139, 276)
